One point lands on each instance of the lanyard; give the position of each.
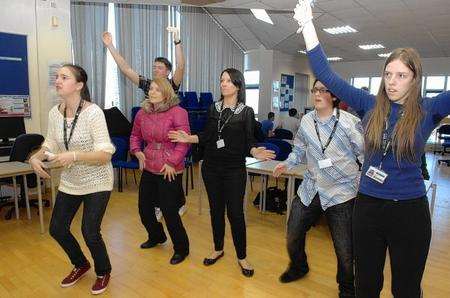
(220, 127)
(387, 138)
(332, 132)
(72, 128)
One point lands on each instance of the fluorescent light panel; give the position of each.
(371, 46)
(334, 58)
(340, 30)
(384, 55)
(261, 14)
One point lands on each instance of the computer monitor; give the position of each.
(11, 127)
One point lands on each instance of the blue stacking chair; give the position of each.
(191, 99)
(283, 134)
(134, 111)
(206, 99)
(120, 160)
(285, 148)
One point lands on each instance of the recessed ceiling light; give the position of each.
(261, 14)
(334, 58)
(340, 30)
(384, 55)
(371, 46)
(302, 52)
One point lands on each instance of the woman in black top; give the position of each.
(228, 138)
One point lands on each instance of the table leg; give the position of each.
(433, 198)
(200, 188)
(41, 211)
(27, 200)
(16, 199)
(52, 187)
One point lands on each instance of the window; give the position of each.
(112, 83)
(375, 83)
(361, 82)
(434, 85)
(252, 89)
(448, 83)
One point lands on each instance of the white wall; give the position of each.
(271, 65)
(45, 43)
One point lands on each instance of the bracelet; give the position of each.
(177, 42)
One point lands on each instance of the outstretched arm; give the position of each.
(179, 56)
(358, 99)
(124, 67)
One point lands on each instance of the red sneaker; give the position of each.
(75, 275)
(100, 284)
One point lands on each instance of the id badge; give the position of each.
(376, 174)
(325, 163)
(220, 143)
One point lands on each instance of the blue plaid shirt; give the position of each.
(338, 183)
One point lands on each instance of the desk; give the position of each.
(265, 169)
(429, 185)
(16, 168)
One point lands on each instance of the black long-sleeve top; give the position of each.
(238, 135)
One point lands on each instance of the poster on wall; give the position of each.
(14, 86)
(286, 92)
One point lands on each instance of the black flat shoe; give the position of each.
(246, 272)
(152, 243)
(209, 262)
(178, 258)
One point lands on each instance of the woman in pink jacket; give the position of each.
(162, 163)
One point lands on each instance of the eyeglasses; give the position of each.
(320, 90)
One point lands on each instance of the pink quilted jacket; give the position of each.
(151, 129)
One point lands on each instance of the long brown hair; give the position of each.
(170, 98)
(403, 135)
(80, 76)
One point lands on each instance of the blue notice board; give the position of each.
(286, 92)
(14, 83)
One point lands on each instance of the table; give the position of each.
(430, 185)
(16, 168)
(265, 169)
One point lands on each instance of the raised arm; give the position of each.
(354, 97)
(124, 67)
(439, 106)
(179, 56)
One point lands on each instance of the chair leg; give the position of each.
(125, 174)
(192, 176)
(186, 190)
(120, 180)
(134, 175)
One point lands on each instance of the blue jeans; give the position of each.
(339, 218)
(94, 207)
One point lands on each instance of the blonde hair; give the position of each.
(403, 135)
(170, 99)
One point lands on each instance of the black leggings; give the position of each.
(226, 188)
(403, 227)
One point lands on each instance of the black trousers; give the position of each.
(226, 189)
(94, 207)
(339, 218)
(403, 227)
(154, 191)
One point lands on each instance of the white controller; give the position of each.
(49, 155)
